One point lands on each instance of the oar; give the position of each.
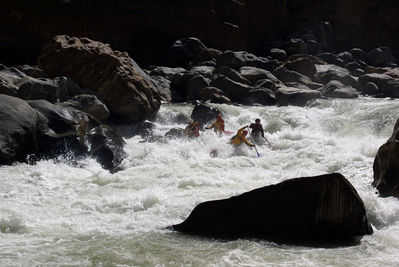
(268, 142)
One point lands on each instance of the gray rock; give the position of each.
(184, 51)
(278, 54)
(262, 96)
(288, 76)
(195, 85)
(233, 90)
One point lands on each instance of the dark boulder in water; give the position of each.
(38, 129)
(204, 113)
(386, 166)
(319, 208)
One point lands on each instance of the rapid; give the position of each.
(56, 213)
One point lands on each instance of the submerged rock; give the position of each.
(325, 207)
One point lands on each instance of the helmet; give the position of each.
(257, 120)
(244, 132)
(218, 116)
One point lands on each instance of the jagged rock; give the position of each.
(89, 104)
(127, 89)
(295, 96)
(337, 89)
(386, 166)
(185, 51)
(54, 90)
(233, 90)
(380, 56)
(320, 208)
(205, 71)
(231, 74)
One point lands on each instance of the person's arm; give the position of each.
(211, 126)
(247, 142)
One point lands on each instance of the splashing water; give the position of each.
(53, 213)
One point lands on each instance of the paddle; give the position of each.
(268, 142)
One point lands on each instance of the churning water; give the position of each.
(58, 214)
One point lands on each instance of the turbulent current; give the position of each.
(56, 213)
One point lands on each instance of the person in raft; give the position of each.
(240, 138)
(192, 128)
(257, 131)
(218, 125)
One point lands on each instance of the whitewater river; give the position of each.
(59, 214)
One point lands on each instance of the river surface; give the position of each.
(55, 213)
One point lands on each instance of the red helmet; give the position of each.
(218, 116)
(244, 132)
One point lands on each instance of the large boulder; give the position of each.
(127, 89)
(376, 78)
(295, 96)
(19, 129)
(68, 130)
(386, 166)
(322, 208)
(38, 129)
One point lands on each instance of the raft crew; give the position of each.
(218, 125)
(239, 138)
(192, 129)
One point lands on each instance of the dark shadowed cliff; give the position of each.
(146, 29)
